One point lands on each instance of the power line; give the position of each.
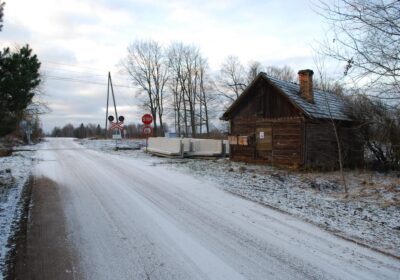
(50, 68)
(47, 68)
(80, 66)
(95, 78)
(125, 99)
(72, 65)
(51, 71)
(78, 80)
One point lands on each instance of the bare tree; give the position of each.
(365, 37)
(206, 97)
(176, 83)
(190, 87)
(379, 129)
(232, 78)
(179, 86)
(329, 87)
(255, 67)
(284, 73)
(191, 61)
(146, 65)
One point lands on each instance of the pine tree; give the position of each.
(19, 78)
(1, 14)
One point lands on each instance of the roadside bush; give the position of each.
(379, 127)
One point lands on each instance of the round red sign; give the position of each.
(147, 130)
(147, 119)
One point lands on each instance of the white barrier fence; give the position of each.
(165, 146)
(226, 145)
(207, 147)
(188, 147)
(186, 142)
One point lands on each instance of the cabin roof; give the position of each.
(326, 105)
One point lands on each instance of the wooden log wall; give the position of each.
(279, 134)
(353, 145)
(321, 145)
(282, 142)
(288, 142)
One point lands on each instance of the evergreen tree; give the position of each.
(1, 14)
(19, 78)
(98, 130)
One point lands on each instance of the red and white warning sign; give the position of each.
(147, 119)
(117, 125)
(147, 130)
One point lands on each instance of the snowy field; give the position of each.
(369, 215)
(14, 173)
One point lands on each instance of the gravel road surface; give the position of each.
(127, 219)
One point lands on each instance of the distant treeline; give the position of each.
(95, 130)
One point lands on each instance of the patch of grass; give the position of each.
(5, 152)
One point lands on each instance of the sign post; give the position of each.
(147, 119)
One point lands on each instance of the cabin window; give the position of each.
(233, 140)
(243, 141)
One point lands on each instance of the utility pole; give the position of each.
(112, 92)
(110, 85)
(108, 97)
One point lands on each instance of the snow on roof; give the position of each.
(325, 106)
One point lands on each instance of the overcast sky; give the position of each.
(79, 41)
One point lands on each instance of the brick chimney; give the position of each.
(306, 84)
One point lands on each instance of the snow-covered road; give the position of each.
(128, 219)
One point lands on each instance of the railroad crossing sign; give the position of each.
(147, 119)
(118, 124)
(147, 130)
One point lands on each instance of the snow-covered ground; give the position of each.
(14, 173)
(370, 214)
(110, 145)
(133, 217)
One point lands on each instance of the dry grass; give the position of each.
(5, 152)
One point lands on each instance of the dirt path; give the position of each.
(43, 251)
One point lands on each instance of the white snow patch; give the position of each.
(14, 173)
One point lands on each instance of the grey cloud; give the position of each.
(57, 53)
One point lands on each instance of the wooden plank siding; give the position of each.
(282, 143)
(264, 103)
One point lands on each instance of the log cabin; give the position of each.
(293, 125)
